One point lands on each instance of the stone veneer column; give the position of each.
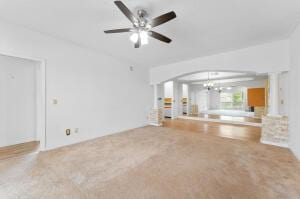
(156, 117)
(156, 114)
(274, 126)
(275, 130)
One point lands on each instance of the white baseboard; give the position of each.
(154, 124)
(274, 143)
(221, 121)
(86, 139)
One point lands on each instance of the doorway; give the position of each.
(22, 105)
(184, 99)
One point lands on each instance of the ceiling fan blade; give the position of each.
(159, 36)
(126, 11)
(119, 30)
(138, 43)
(162, 19)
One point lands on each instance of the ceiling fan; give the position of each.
(142, 27)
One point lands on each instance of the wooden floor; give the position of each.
(241, 132)
(18, 149)
(228, 118)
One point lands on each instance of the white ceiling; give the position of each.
(221, 78)
(225, 81)
(211, 75)
(203, 27)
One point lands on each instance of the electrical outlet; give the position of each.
(68, 132)
(55, 101)
(76, 130)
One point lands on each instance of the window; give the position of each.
(233, 100)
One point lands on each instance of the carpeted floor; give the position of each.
(156, 163)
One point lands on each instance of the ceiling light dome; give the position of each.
(144, 37)
(134, 37)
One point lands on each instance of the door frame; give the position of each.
(41, 134)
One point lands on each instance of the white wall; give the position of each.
(214, 100)
(17, 101)
(203, 100)
(168, 89)
(192, 93)
(284, 94)
(257, 83)
(200, 97)
(160, 95)
(180, 96)
(185, 90)
(270, 57)
(176, 100)
(294, 95)
(95, 93)
(189, 102)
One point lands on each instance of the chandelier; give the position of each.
(209, 84)
(219, 89)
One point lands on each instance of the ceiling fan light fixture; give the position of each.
(144, 37)
(134, 37)
(142, 27)
(148, 26)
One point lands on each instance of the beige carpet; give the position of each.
(154, 162)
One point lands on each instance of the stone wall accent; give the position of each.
(259, 111)
(155, 117)
(194, 109)
(275, 130)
